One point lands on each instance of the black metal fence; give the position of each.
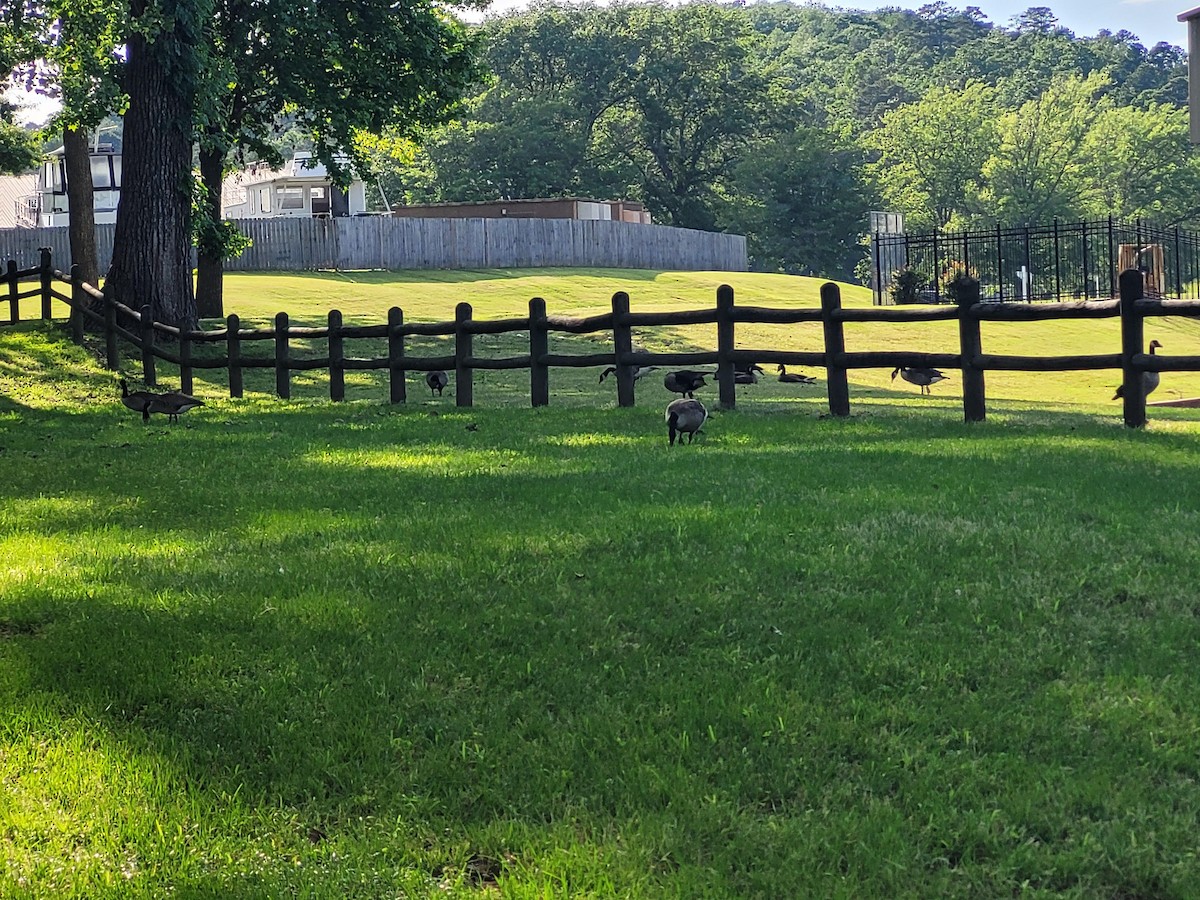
(1061, 261)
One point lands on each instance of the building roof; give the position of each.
(1190, 14)
(12, 189)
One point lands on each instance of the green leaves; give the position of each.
(932, 153)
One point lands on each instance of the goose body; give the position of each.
(922, 377)
(684, 416)
(173, 404)
(437, 381)
(638, 373)
(685, 381)
(138, 401)
(794, 378)
(749, 375)
(1150, 380)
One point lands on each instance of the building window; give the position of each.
(264, 200)
(101, 173)
(290, 198)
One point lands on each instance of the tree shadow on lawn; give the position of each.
(520, 621)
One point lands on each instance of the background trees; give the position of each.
(222, 74)
(785, 122)
(351, 67)
(788, 123)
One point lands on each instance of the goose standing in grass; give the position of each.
(922, 377)
(685, 381)
(639, 372)
(138, 401)
(437, 381)
(794, 377)
(684, 416)
(1150, 380)
(173, 404)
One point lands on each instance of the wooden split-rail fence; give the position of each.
(157, 341)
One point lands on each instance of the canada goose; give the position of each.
(684, 416)
(749, 375)
(794, 378)
(1150, 380)
(921, 377)
(173, 403)
(685, 381)
(437, 380)
(138, 401)
(638, 372)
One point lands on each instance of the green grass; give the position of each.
(355, 650)
(431, 296)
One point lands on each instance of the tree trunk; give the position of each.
(152, 246)
(81, 228)
(210, 267)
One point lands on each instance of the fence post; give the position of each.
(464, 384)
(396, 387)
(147, 331)
(1057, 267)
(1112, 260)
(835, 346)
(726, 389)
(999, 263)
(1133, 386)
(539, 346)
(622, 344)
(47, 277)
(877, 246)
(1178, 267)
(337, 370)
(233, 352)
(970, 346)
(283, 375)
(78, 301)
(186, 382)
(112, 356)
(14, 289)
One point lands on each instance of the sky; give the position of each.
(1151, 20)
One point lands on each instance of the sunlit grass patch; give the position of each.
(357, 650)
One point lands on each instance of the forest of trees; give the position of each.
(783, 122)
(789, 123)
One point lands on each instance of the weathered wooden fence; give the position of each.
(137, 327)
(383, 242)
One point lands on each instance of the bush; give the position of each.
(906, 286)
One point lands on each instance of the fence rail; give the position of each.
(383, 242)
(1078, 260)
(118, 322)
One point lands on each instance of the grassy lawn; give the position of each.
(363, 651)
(431, 296)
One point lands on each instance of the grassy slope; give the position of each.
(427, 296)
(363, 651)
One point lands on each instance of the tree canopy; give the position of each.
(789, 122)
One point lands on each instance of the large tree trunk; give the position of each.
(152, 246)
(210, 267)
(81, 213)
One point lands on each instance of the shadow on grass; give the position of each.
(368, 614)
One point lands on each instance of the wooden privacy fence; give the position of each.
(119, 322)
(382, 242)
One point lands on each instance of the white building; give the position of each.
(47, 206)
(302, 187)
